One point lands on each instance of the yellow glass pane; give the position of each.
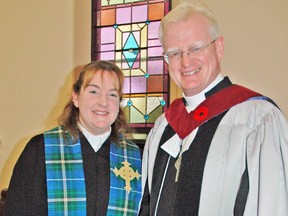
(135, 27)
(143, 42)
(140, 104)
(126, 72)
(135, 116)
(118, 39)
(124, 28)
(116, 2)
(137, 72)
(131, 1)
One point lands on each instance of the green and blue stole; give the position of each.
(66, 181)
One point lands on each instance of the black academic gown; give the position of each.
(27, 193)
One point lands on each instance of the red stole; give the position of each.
(184, 123)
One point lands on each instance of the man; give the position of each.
(220, 150)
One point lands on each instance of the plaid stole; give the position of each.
(66, 182)
(65, 174)
(125, 183)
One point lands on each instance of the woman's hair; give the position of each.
(185, 10)
(70, 116)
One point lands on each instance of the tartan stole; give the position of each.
(125, 163)
(66, 189)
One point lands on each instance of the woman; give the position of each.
(85, 166)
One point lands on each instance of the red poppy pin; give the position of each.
(201, 113)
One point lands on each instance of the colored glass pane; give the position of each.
(139, 13)
(155, 67)
(155, 114)
(153, 103)
(108, 35)
(155, 84)
(117, 2)
(156, 11)
(139, 103)
(138, 84)
(153, 30)
(135, 116)
(107, 17)
(126, 87)
(123, 15)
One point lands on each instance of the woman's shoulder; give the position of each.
(32, 154)
(35, 142)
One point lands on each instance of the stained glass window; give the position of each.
(126, 32)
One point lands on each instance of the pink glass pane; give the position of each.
(155, 67)
(125, 35)
(153, 30)
(123, 15)
(137, 36)
(154, 42)
(137, 62)
(107, 55)
(107, 47)
(139, 13)
(155, 51)
(126, 86)
(107, 35)
(138, 84)
(124, 64)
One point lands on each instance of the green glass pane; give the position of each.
(127, 113)
(155, 114)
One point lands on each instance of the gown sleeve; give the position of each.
(267, 156)
(27, 189)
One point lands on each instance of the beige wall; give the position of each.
(43, 42)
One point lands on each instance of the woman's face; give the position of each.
(98, 103)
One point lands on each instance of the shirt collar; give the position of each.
(96, 141)
(195, 100)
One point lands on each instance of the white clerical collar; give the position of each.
(195, 100)
(95, 141)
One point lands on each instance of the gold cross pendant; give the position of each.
(127, 173)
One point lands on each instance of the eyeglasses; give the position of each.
(194, 51)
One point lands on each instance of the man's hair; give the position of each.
(185, 10)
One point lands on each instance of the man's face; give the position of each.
(194, 72)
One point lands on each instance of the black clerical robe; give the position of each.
(27, 194)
